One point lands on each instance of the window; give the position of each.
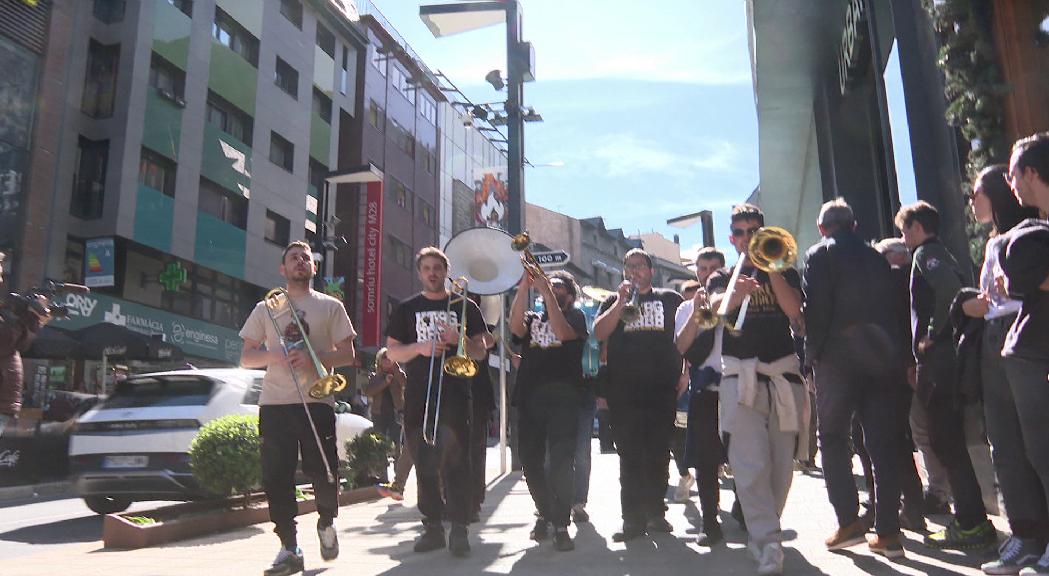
(401, 194)
(378, 59)
(326, 40)
(376, 115)
(156, 172)
(282, 152)
(318, 172)
(89, 182)
(344, 74)
(229, 118)
(429, 159)
(109, 11)
(426, 214)
(292, 10)
(402, 253)
(322, 105)
(278, 228)
(100, 82)
(429, 109)
(227, 206)
(402, 82)
(287, 78)
(402, 138)
(167, 79)
(232, 35)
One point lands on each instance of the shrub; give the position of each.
(225, 455)
(367, 456)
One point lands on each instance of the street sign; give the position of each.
(552, 258)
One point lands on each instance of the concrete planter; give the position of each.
(193, 519)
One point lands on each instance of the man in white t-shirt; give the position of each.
(284, 424)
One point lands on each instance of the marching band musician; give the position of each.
(284, 427)
(423, 332)
(547, 397)
(764, 403)
(643, 371)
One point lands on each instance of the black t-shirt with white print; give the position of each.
(766, 333)
(644, 350)
(416, 320)
(544, 358)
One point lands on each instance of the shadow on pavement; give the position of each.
(73, 530)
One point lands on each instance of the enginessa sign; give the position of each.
(372, 269)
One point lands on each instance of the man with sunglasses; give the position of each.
(764, 404)
(643, 371)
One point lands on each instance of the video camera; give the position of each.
(18, 304)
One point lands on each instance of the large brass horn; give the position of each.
(771, 249)
(328, 383)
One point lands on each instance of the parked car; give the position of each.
(135, 444)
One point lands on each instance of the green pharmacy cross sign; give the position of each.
(173, 277)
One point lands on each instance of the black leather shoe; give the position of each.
(541, 530)
(660, 525)
(432, 539)
(629, 532)
(457, 541)
(562, 541)
(712, 534)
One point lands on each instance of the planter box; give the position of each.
(192, 519)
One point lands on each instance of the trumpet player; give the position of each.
(643, 372)
(423, 333)
(547, 399)
(701, 350)
(764, 404)
(291, 421)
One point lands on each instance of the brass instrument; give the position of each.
(771, 249)
(520, 243)
(706, 318)
(632, 309)
(329, 382)
(275, 300)
(460, 365)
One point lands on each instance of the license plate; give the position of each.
(125, 461)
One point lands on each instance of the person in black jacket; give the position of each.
(852, 344)
(16, 335)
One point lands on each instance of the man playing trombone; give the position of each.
(547, 398)
(304, 332)
(423, 335)
(763, 399)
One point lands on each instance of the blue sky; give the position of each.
(651, 110)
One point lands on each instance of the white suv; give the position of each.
(135, 444)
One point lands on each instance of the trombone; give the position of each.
(329, 382)
(459, 365)
(275, 300)
(772, 249)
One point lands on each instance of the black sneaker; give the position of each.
(562, 541)
(432, 539)
(630, 531)
(329, 542)
(541, 530)
(712, 534)
(287, 562)
(457, 541)
(983, 535)
(1014, 555)
(579, 514)
(660, 525)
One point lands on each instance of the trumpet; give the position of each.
(772, 249)
(275, 300)
(460, 365)
(329, 382)
(632, 309)
(520, 243)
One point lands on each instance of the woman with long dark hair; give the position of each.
(993, 202)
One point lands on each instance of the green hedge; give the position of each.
(225, 455)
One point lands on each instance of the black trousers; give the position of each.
(481, 416)
(937, 371)
(848, 383)
(447, 462)
(704, 450)
(910, 482)
(548, 422)
(642, 433)
(285, 433)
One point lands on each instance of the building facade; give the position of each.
(188, 144)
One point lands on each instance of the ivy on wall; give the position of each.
(974, 90)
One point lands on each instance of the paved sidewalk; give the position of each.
(377, 538)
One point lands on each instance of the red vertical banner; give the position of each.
(372, 269)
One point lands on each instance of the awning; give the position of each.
(54, 343)
(115, 341)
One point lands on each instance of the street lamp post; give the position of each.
(330, 242)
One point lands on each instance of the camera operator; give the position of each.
(16, 334)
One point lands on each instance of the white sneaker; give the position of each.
(329, 543)
(771, 561)
(684, 486)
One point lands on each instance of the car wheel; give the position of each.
(107, 504)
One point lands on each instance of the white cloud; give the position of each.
(624, 154)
